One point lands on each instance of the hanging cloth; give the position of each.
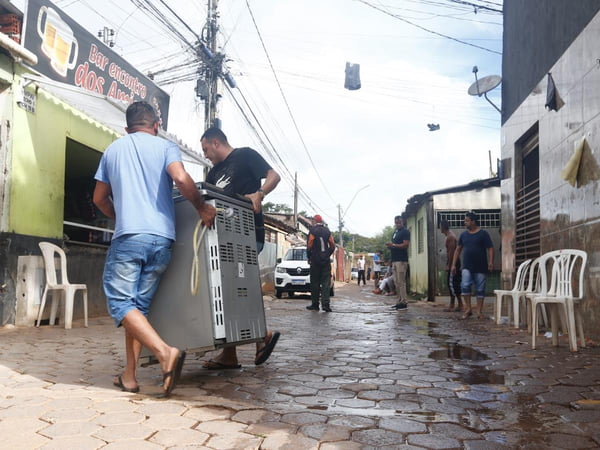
(553, 100)
(352, 81)
(571, 169)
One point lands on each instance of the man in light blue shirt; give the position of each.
(134, 186)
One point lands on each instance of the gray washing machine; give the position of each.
(228, 307)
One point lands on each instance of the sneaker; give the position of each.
(326, 309)
(312, 308)
(400, 306)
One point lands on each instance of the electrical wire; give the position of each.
(477, 6)
(286, 173)
(287, 104)
(426, 29)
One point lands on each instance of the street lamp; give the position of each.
(341, 257)
(341, 217)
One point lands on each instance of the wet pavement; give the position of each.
(363, 376)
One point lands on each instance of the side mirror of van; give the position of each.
(278, 260)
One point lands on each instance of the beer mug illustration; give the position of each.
(58, 41)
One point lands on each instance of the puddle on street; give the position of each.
(480, 375)
(453, 350)
(470, 374)
(420, 416)
(440, 336)
(423, 326)
(361, 411)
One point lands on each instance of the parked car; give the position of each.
(354, 273)
(292, 274)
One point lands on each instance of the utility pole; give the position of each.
(296, 200)
(212, 67)
(341, 225)
(211, 70)
(341, 253)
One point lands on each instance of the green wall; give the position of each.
(38, 162)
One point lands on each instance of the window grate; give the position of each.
(488, 218)
(527, 229)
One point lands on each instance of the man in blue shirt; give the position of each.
(477, 261)
(134, 184)
(399, 250)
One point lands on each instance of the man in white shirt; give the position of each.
(361, 270)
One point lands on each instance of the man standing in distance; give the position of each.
(134, 186)
(361, 269)
(377, 256)
(320, 247)
(240, 171)
(478, 259)
(399, 250)
(453, 281)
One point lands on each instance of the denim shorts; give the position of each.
(134, 265)
(469, 279)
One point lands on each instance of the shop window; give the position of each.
(83, 222)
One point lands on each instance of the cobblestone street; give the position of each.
(363, 376)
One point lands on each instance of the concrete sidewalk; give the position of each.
(364, 376)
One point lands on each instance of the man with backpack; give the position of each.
(320, 247)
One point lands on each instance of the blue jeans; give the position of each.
(476, 279)
(134, 265)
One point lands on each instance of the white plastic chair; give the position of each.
(64, 288)
(559, 291)
(515, 293)
(534, 286)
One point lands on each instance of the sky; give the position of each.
(360, 153)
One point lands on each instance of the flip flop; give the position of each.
(263, 354)
(211, 364)
(466, 315)
(119, 384)
(174, 374)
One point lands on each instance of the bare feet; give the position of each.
(467, 314)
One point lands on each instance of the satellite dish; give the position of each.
(484, 85)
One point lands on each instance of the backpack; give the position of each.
(321, 249)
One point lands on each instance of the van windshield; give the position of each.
(296, 254)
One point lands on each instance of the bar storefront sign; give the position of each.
(70, 54)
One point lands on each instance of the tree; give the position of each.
(364, 244)
(280, 208)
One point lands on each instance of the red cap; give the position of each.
(318, 219)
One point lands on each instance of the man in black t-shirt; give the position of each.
(240, 171)
(399, 250)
